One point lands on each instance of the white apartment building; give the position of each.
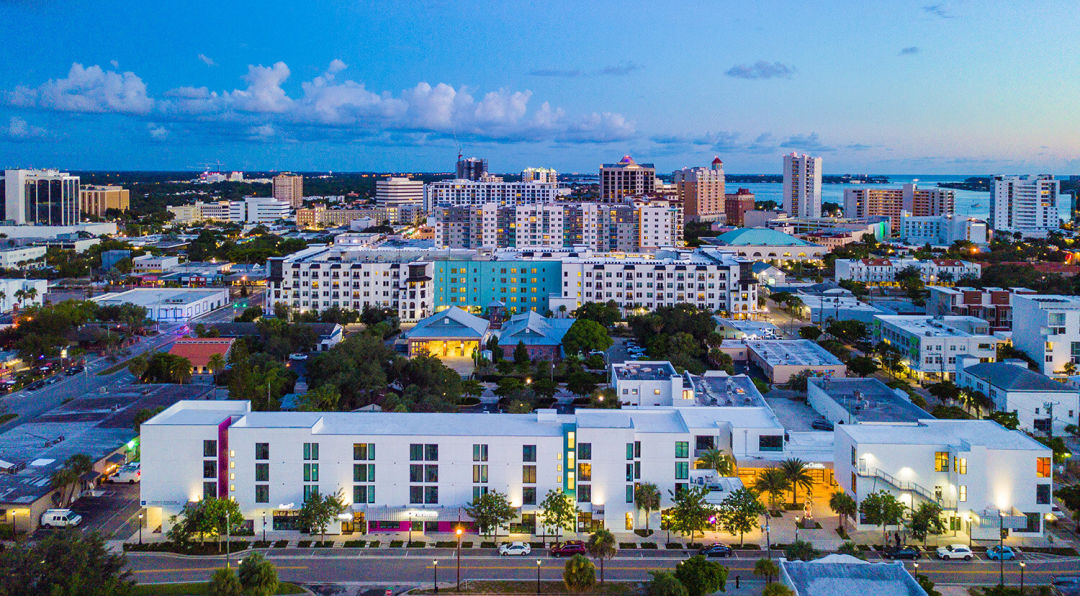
(397, 192)
(1025, 204)
(10, 287)
(40, 197)
(1047, 329)
(942, 230)
(393, 469)
(251, 210)
(153, 264)
(877, 271)
(706, 278)
(643, 383)
(475, 193)
(660, 224)
(22, 257)
(930, 346)
(983, 475)
(545, 175)
(802, 185)
(289, 189)
(1039, 402)
(264, 210)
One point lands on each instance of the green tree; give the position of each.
(521, 353)
(143, 415)
(851, 549)
(664, 583)
(925, 520)
(1009, 420)
(216, 364)
(798, 474)
(701, 576)
(849, 331)
(65, 562)
(766, 568)
(776, 590)
(579, 574)
(740, 512)
(800, 550)
(558, 512)
(690, 512)
(604, 313)
(490, 511)
(809, 332)
(910, 280)
(137, 366)
(843, 505)
(213, 516)
(225, 583)
(69, 476)
(602, 546)
(584, 336)
(647, 498)
(319, 511)
(258, 576)
(862, 365)
(797, 381)
(717, 460)
(926, 584)
(324, 398)
(772, 482)
(882, 509)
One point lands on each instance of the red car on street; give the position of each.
(568, 548)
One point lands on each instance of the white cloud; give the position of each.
(207, 60)
(264, 92)
(115, 64)
(336, 65)
(156, 131)
(87, 90)
(264, 131)
(20, 129)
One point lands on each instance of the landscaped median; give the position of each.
(199, 588)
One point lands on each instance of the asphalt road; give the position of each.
(416, 566)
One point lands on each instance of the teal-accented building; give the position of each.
(472, 285)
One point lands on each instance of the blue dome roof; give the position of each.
(759, 237)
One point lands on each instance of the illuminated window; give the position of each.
(941, 461)
(960, 465)
(1042, 467)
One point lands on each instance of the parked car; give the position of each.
(1000, 552)
(716, 550)
(35, 385)
(60, 518)
(1055, 514)
(821, 424)
(52, 379)
(74, 370)
(298, 356)
(568, 548)
(130, 473)
(514, 549)
(901, 552)
(955, 551)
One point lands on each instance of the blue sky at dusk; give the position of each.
(872, 87)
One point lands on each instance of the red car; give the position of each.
(568, 548)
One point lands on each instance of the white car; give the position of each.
(298, 356)
(514, 548)
(60, 518)
(954, 551)
(129, 473)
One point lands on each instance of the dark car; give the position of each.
(35, 385)
(52, 379)
(901, 552)
(716, 550)
(568, 548)
(74, 370)
(821, 424)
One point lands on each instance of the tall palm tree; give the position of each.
(773, 482)
(602, 546)
(796, 472)
(62, 478)
(216, 364)
(647, 497)
(31, 293)
(20, 295)
(3, 297)
(843, 505)
(68, 476)
(714, 459)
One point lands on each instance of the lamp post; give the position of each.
(538, 563)
(410, 528)
(435, 574)
(1001, 544)
(768, 542)
(228, 531)
(798, 521)
(458, 532)
(916, 571)
(264, 526)
(970, 524)
(1022, 565)
(140, 528)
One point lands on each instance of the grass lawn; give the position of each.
(197, 588)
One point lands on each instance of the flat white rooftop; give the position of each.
(986, 433)
(750, 329)
(152, 297)
(928, 326)
(644, 370)
(792, 352)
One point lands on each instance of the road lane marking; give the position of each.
(182, 569)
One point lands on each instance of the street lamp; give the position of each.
(410, 527)
(538, 563)
(1022, 565)
(435, 572)
(768, 542)
(798, 522)
(140, 528)
(970, 522)
(458, 532)
(1001, 544)
(916, 571)
(264, 526)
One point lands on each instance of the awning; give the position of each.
(90, 476)
(116, 458)
(386, 513)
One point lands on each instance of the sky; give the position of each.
(957, 87)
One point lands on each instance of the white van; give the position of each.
(60, 518)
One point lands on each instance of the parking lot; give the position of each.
(111, 509)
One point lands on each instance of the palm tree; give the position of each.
(843, 505)
(20, 295)
(602, 546)
(773, 482)
(647, 497)
(216, 364)
(796, 472)
(61, 478)
(31, 293)
(70, 474)
(714, 459)
(3, 297)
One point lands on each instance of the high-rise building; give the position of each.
(289, 189)
(802, 185)
(1025, 204)
(627, 178)
(475, 193)
(472, 168)
(539, 175)
(398, 192)
(701, 191)
(40, 197)
(95, 200)
(891, 202)
(737, 204)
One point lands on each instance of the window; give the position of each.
(431, 453)
(682, 470)
(262, 493)
(310, 490)
(528, 474)
(431, 495)
(363, 451)
(478, 491)
(702, 442)
(584, 451)
(479, 452)
(209, 490)
(431, 473)
(584, 472)
(528, 453)
(311, 472)
(209, 448)
(629, 471)
(528, 495)
(962, 493)
(960, 465)
(416, 494)
(771, 443)
(363, 494)
(209, 469)
(629, 493)
(584, 493)
(1042, 494)
(262, 472)
(262, 450)
(416, 473)
(637, 470)
(363, 472)
(637, 448)
(853, 458)
(311, 451)
(416, 452)
(682, 449)
(629, 451)
(1042, 467)
(480, 473)
(941, 461)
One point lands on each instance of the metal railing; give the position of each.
(905, 486)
